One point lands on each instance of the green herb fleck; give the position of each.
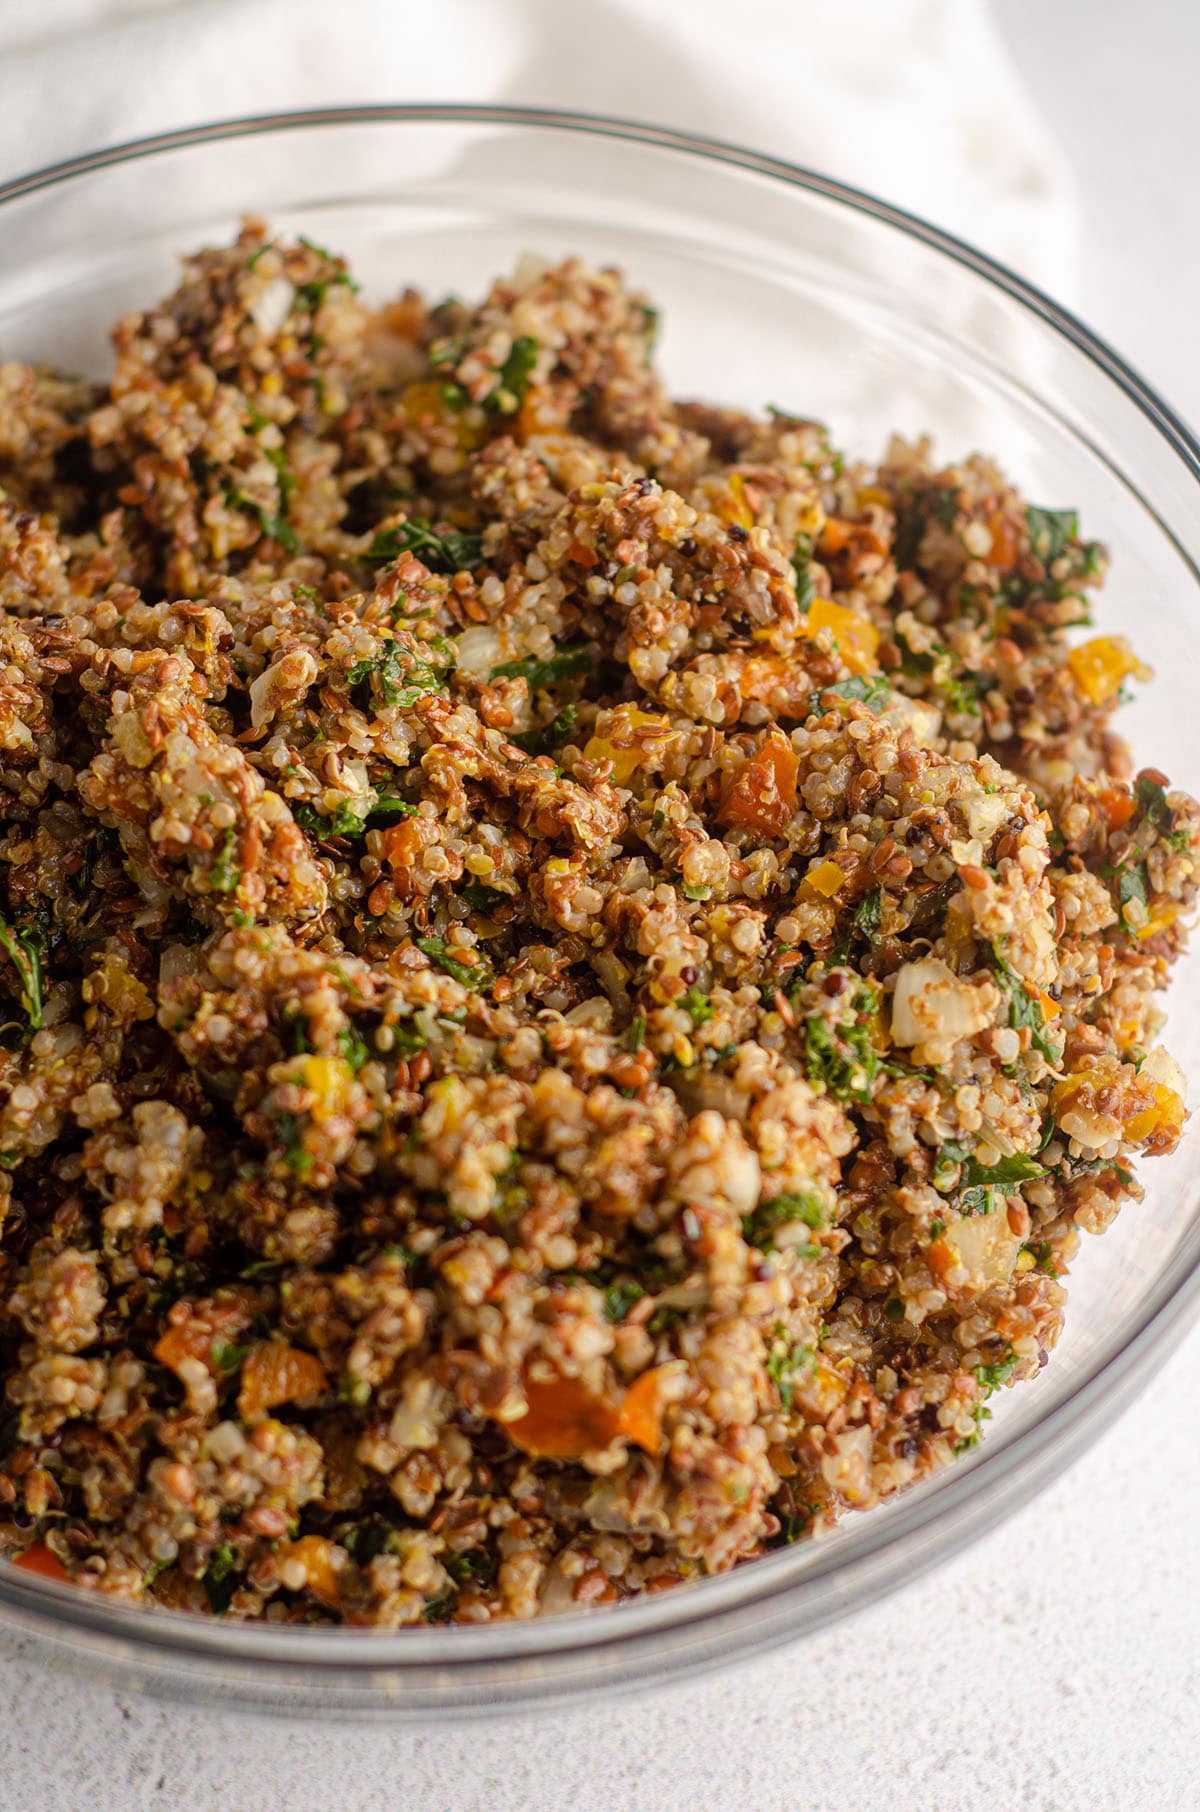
(221, 1578)
(620, 1297)
(352, 1048)
(784, 1360)
(635, 1033)
(224, 875)
(227, 1357)
(991, 1377)
(874, 692)
(698, 1007)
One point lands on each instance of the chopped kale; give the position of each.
(801, 563)
(760, 1227)
(474, 973)
(844, 1061)
(1133, 883)
(547, 740)
(539, 674)
(515, 374)
(445, 551)
(1050, 532)
(1023, 1009)
(25, 947)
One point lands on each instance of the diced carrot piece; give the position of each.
(1118, 805)
(762, 794)
(191, 1332)
(538, 414)
(1099, 666)
(563, 1420)
(315, 1555)
(1005, 545)
(1050, 1007)
(642, 1410)
(826, 878)
(857, 638)
(43, 1560)
(276, 1373)
(836, 535)
(401, 844)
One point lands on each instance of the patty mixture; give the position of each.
(572, 965)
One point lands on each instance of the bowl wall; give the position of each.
(775, 287)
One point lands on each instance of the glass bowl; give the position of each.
(776, 285)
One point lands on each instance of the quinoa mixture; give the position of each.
(572, 965)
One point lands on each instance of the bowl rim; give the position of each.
(723, 1607)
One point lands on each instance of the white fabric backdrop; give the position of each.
(914, 99)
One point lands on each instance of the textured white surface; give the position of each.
(1054, 1667)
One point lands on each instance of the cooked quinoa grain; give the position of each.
(571, 964)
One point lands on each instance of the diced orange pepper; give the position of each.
(43, 1560)
(275, 1373)
(856, 636)
(629, 738)
(1118, 805)
(762, 794)
(328, 1080)
(1099, 666)
(315, 1555)
(426, 401)
(642, 1410)
(826, 878)
(563, 1420)
(1050, 1007)
(1164, 1112)
(1158, 921)
(735, 509)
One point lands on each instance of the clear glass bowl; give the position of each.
(780, 286)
